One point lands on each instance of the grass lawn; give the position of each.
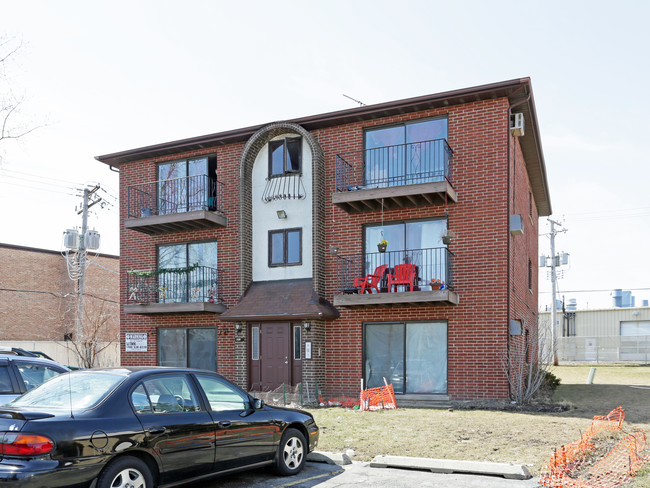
(485, 435)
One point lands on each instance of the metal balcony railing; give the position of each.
(175, 195)
(192, 284)
(403, 164)
(285, 187)
(431, 265)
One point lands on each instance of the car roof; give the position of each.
(31, 359)
(138, 371)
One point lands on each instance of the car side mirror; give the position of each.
(259, 404)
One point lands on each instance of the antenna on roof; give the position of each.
(354, 100)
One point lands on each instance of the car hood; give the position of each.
(289, 409)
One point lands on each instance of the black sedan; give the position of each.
(145, 427)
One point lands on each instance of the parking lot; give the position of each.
(360, 474)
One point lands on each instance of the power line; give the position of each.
(596, 291)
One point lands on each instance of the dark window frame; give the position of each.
(285, 247)
(210, 172)
(404, 323)
(285, 142)
(186, 331)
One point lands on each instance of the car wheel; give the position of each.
(126, 472)
(291, 454)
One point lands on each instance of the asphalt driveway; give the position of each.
(321, 475)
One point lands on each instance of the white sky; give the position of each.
(106, 76)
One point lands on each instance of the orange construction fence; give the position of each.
(565, 468)
(378, 398)
(370, 399)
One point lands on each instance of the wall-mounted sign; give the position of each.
(135, 342)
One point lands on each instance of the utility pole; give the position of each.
(555, 262)
(81, 287)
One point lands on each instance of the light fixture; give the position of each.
(238, 327)
(282, 214)
(307, 326)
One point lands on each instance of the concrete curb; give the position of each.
(338, 458)
(508, 471)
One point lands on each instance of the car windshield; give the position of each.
(76, 390)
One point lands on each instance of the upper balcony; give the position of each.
(194, 289)
(405, 175)
(174, 205)
(410, 277)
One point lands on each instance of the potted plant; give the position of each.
(382, 245)
(447, 237)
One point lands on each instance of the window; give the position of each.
(414, 152)
(411, 356)
(187, 185)
(285, 247)
(5, 381)
(35, 374)
(530, 275)
(255, 343)
(188, 348)
(223, 396)
(411, 242)
(165, 394)
(285, 156)
(188, 272)
(297, 334)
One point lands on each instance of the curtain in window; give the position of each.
(426, 358)
(384, 347)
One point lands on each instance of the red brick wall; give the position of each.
(38, 299)
(477, 326)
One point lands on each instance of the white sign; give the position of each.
(135, 342)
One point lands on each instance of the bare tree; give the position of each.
(10, 104)
(527, 363)
(100, 333)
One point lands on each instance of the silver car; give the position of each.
(19, 374)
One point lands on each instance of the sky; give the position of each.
(105, 76)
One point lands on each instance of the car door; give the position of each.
(34, 373)
(177, 428)
(244, 436)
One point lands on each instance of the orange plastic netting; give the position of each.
(568, 467)
(370, 399)
(378, 398)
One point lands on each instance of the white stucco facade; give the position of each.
(265, 219)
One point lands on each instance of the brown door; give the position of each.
(275, 355)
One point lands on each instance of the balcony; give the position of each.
(175, 205)
(195, 289)
(380, 279)
(405, 175)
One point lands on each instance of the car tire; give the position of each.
(292, 453)
(126, 471)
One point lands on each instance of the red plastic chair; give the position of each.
(371, 281)
(403, 274)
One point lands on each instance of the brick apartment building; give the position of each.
(38, 302)
(255, 251)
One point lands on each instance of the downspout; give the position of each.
(509, 236)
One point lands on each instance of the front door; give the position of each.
(274, 355)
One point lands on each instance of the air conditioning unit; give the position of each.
(517, 124)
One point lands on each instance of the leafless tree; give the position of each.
(100, 333)
(10, 104)
(527, 362)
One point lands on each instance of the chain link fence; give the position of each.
(607, 349)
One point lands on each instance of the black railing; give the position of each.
(175, 195)
(432, 271)
(197, 284)
(285, 187)
(403, 164)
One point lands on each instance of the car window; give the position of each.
(5, 381)
(35, 374)
(223, 396)
(165, 394)
(78, 390)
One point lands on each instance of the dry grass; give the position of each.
(500, 436)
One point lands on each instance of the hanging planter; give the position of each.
(382, 245)
(448, 237)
